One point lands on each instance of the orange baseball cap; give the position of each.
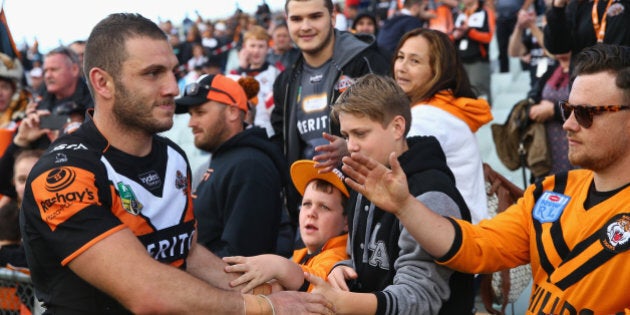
(216, 88)
(304, 171)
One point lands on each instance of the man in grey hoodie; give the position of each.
(330, 62)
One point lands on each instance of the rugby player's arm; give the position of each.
(121, 267)
(205, 265)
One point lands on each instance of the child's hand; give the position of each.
(338, 276)
(256, 270)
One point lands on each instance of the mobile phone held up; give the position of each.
(53, 122)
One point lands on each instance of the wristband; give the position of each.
(273, 310)
(257, 305)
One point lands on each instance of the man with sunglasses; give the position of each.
(239, 199)
(573, 227)
(107, 218)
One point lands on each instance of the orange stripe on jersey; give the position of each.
(62, 192)
(91, 243)
(190, 215)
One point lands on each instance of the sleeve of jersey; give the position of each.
(484, 36)
(69, 208)
(496, 244)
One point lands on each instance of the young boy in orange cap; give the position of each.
(323, 228)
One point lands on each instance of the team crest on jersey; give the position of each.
(180, 180)
(129, 201)
(550, 206)
(615, 9)
(343, 83)
(616, 233)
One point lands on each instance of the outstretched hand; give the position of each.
(320, 286)
(329, 155)
(338, 276)
(386, 188)
(255, 270)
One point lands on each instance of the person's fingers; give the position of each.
(251, 285)
(394, 164)
(237, 268)
(328, 136)
(354, 185)
(314, 280)
(318, 304)
(350, 273)
(352, 169)
(234, 259)
(324, 168)
(244, 278)
(337, 281)
(363, 160)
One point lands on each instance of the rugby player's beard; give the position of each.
(135, 113)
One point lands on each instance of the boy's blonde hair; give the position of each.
(256, 32)
(376, 97)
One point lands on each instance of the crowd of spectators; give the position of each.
(437, 52)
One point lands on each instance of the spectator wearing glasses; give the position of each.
(573, 227)
(239, 200)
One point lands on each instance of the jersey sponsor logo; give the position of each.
(315, 78)
(151, 179)
(315, 103)
(343, 83)
(128, 199)
(544, 302)
(550, 206)
(62, 192)
(313, 124)
(73, 147)
(616, 233)
(60, 178)
(170, 244)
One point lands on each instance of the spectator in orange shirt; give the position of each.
(323, 228)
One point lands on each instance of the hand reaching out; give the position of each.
(387, 189)
(338, 276)
(330, 155)
(260, 269)
(320, 286)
